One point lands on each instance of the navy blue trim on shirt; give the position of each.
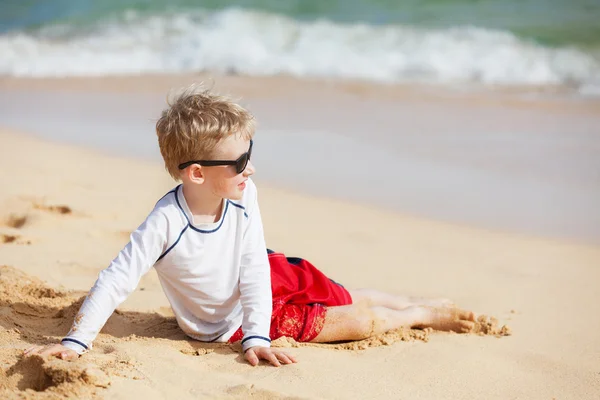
(197, 229)
(217, 228)
(239, 206)
(174, 244)
(256, 337)
(75, 341)
(181, 208)
(169, 192)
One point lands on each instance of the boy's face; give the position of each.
(223, 181)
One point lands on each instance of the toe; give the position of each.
(466, 326)
(466, 315)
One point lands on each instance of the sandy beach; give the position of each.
(69, 201)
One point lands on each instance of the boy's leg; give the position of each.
(371, 297)
(356, 321)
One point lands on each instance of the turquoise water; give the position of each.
(550, 22)
(446, 42)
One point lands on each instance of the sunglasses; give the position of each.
(240, 163)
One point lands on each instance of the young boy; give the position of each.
(205, 240)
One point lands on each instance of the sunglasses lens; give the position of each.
(242, 163)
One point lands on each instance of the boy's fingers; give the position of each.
(284, 358)
(68, 355)
(251, 357)
(273, 359)
(33, 349)
(37, 350)
(49, 351)
(291, 357)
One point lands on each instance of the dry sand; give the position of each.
(65, 212)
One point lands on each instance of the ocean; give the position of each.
(512, 43)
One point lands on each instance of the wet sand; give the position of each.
(505, 161)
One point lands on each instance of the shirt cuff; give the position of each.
(75, 345)
(254, 341)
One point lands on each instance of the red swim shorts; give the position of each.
(301, 295)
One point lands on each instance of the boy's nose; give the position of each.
(249, 169)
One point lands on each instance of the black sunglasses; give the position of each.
(240, 163)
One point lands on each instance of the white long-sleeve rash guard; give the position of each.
(216, 276)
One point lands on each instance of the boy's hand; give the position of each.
(57, 350)
(274, 356)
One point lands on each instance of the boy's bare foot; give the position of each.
(446, 319)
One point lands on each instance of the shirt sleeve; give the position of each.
(117, 281)
(255, 283)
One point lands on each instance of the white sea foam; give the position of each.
(256, 43)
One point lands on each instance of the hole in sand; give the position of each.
(28, 373)
(62, 378)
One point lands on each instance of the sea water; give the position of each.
(450, 42)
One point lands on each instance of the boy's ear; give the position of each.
(196, 174)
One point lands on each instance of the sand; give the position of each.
(65, 212)
(68, 213)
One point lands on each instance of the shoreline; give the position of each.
(527, 97)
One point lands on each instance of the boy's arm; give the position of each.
(117, 281)
(255, 284)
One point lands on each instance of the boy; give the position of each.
(205, 239)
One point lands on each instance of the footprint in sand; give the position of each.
(57, 209)
(8, 238)
(19, 220)
(13, 239)
(15, 221)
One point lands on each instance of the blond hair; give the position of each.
(195, 122)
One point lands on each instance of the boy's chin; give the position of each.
(236, 195)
